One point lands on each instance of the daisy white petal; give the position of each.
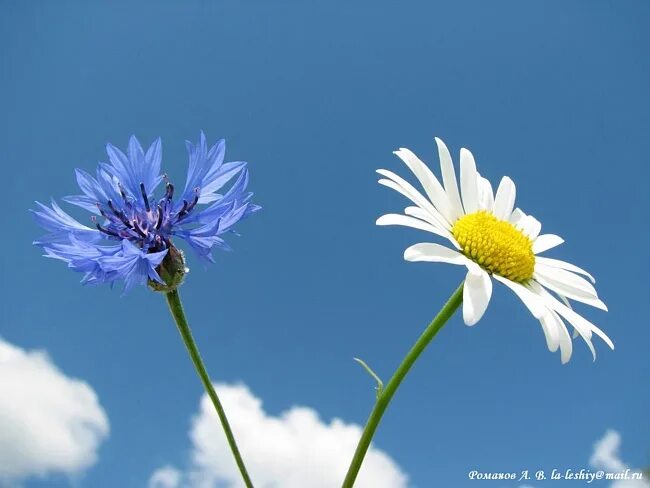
(468, 181)
(504, 201)
(546, 242)
(433, 253)
(564, 299)
(405, 188)
(430, 183)
(531, 227)
(538, 289)
(486, 198)
(476, 295)
(566, 344)
(531, 300)
(420, 213)
(566, 302)
(449, 180)
(472, 266)
(564, 338)
(397, 219)
(552, 319)
(567, 290)
(556, 263)
(516, 216)
(586, 336)
(584, 327)
(551, 331)
(567, 278)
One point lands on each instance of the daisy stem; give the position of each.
(384, 398)
(176, 308)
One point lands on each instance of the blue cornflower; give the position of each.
(132, 237)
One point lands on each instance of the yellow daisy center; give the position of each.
(496, 245)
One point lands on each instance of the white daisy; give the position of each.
(493, 241)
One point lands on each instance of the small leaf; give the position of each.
(380, 384)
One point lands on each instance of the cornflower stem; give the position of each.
(176, 309)
(386, 394)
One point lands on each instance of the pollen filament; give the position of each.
(496, 245)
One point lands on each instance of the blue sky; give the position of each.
(316, 96)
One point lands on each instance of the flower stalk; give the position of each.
(385, 395)
(176, 309)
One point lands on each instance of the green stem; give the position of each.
(176, 308)
(389, 390)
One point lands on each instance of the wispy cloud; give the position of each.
(165, 477)
(293, 450)
(49, 422)
(606, 452)
(606, 456)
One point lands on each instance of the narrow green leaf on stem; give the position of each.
(380, 384)
(387, 393)
(176, 308)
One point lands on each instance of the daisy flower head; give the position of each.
(131, 238)
(493, 240)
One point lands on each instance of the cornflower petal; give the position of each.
(133, 229)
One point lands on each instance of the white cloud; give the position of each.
(49, 422)
(606, 456)
(165, 477)
(292, 450)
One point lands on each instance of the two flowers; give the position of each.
(134, 235)
(133, 232)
